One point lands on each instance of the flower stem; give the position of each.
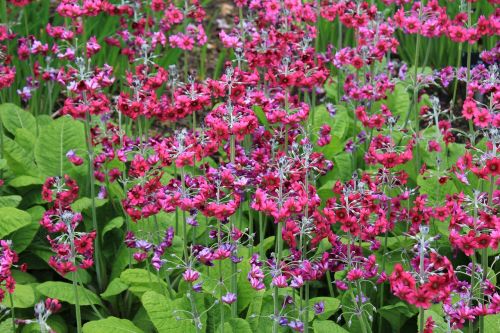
(421, 318)
(12, 313)
(98, 259)
(279, 247)
(234, 270)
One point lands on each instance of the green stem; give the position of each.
(455, 85)
(306, 312)
(361, 317)
(277, 306)
(184, 222)
(421, 318)
(472, 283)
(99, 271)
(12, 313)
(261, 235)
(381, 300)
(234, 276)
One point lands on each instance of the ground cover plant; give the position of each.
(249, 166)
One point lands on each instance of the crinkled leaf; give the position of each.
(111, 325)
(396, 314)
(168, 316)
(12, 219)
(331, 306)
(115, 287)
(115, 223)
(22, 238)
(23, 297)
(140, 281)
(10, 201)
(19, 160)
(13, 117)
(24, 181)
(491, 323)
(323, 326)
(54, 142)
(236, 325)
(65, 292)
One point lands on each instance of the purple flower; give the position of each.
(296, 326)
(319, 307)
(229, 298)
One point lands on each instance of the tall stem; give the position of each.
(455, 85)
(90, 148)
(12, 313)
(277, 306)
(234, 271)
(75, 282)
(381, 300)
(421, 318)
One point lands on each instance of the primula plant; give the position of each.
(249, 166)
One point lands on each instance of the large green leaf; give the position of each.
(20, 161)
(22, 238)
(12, 219)
(323, 326)
(168, 316)
(491, 323)
(331, 306)
(396, 314)
(23, 297)
(399, 101)
(140, 281)
(53, 144)
(24, 181)
(65, 292)
(439, 323)
(13, 117)
(253, 313)
(437, 192)
(115, 287)
(236, 325)
(111, 325)
(10, 201)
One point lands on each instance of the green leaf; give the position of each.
(331, 306)
(491, 323)
(65, 292)
(439, 323)
(115, 223)
(253, 313)
(399, 101)
(13, 117)
(167, 315)
(12, 219)
(53, 144)
(111, 325)
(354, 322)
(23, 297)
(10, 201)
(19, 160)
(396, 314)
(23, 237)
(140, 281)
(6, 326)
(323, 326)
(26, 139)
(436, 191)
(85, 203)
(236, 325)
(24, 181)
(116, 287)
